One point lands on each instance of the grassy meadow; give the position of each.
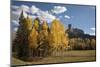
(66, 57)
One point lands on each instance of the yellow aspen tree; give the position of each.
(33, 38)
(44, 47)
(57, 36)
(93, 44)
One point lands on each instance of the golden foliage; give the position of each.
(57, 36)
(36, 24)
(44, 31)
(39, 38)
(33, 38)
(93, 43)
(29, 23)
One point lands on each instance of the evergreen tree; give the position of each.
(25, 25)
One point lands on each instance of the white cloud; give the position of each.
(93, 28)
(16, 14)
(34, 9)
(43, 15)
(25, 14)
(25, 8)
(15, 29)
(93, 31)
(66, 16)
(46, 16)
(58, 9)
(15, 22)
(15, 7)
(32, 16)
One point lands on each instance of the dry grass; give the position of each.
(67, 56)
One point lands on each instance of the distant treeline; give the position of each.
(78, 40)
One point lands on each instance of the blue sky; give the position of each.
(82, 17)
